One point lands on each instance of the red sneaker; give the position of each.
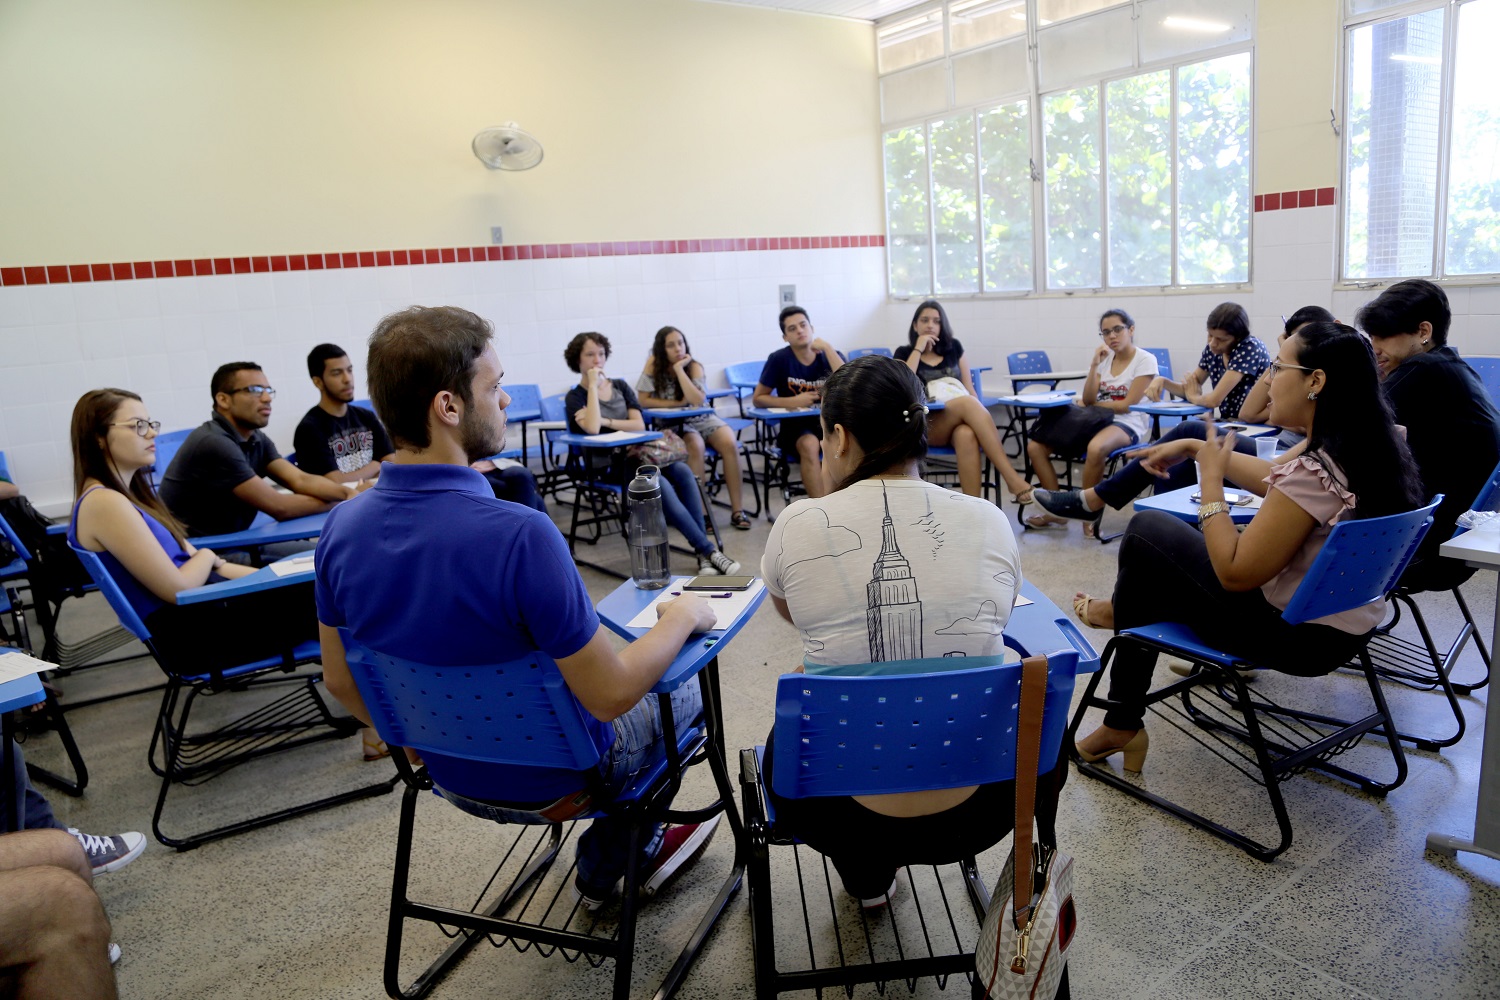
(680, 847)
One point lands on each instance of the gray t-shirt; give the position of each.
(894, 569)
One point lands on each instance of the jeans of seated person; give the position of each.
(517, 485)
(1165, 575)
(603, 849)
(683, 506)
(1133, 479)
(24, 802)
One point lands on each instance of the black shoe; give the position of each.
(1067, 503)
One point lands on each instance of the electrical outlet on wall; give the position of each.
(496, 235)
(788, 295)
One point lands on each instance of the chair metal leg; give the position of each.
(68, 786)
(1484, 652)
(1421, 666)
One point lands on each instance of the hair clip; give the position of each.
(906, 414)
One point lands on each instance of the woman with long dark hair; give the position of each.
(934, 354)
(1232, 586)
(884, 570)
(672, 377)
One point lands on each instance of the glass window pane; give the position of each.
(1474, 165)
(1005, 183)
(1366, 6)
(955, 209)
(1395, 81)
(915, 93)
(1070, 122)
(979, 22)
(1174, 28)
(1213, 171)
(1085, 50)
(1055, 10)
(990, 74)
(1138, 116)
(909, 40)
(906, 211)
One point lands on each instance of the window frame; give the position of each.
(1350, 23)
(1035, 99)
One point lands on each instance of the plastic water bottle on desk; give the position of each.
(646, 530)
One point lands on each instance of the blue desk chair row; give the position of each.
(1488, 370)
(860, 352)
(1360, 562)
(471, 753)
(295, 719)
(844, 735)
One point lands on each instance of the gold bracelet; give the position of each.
(1208, 510)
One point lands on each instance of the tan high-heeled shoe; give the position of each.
(1134, 751)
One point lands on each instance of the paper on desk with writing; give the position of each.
(727, 608)
(14, 665)
(613, 436)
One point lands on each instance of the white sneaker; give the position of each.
(723, 564)
(114, 953)
(879, 902)
(110, 854)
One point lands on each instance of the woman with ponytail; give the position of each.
(883, 571)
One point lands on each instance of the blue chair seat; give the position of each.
(1182, 638)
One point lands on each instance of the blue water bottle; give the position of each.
(646, 530)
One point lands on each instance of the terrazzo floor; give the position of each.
(1355, 908)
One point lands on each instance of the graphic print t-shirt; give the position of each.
(894, 569)
(790, 377)
(325, 443)
(1116, 388)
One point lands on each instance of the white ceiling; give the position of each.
(863, 10)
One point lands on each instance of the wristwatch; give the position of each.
(1208, 510)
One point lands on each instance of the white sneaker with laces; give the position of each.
(110, 854)
(724, 564)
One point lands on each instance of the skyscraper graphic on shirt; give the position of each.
(893, 613)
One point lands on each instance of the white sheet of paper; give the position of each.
(613, 436)
(727, 608)
(296, 564)
(1022, 601)
(16, 664)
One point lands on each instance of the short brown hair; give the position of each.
(416, 354)
(574, 351)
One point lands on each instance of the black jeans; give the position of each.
(1165, 575)
(1133, 480)
(868, 848)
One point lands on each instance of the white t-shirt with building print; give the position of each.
(894, 569)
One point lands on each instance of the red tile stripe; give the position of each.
(64, 274)
(1293, 199)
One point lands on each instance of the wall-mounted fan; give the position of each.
(507, 147)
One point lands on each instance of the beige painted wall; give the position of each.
(1296, 67)
(182, 128)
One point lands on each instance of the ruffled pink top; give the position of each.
(1308, 483)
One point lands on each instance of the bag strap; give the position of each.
(1028, 759)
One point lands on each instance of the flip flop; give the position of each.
(1081, 610)
(1042, 522)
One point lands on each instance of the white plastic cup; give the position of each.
(1265, 447)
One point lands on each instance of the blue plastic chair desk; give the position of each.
(653, 414)
(720, 393)
(266, 530)
(19, 693)
(1041, 625)
(627, 601)
(1178, 504)
(590, 440)
(776, 414)
(264, 578)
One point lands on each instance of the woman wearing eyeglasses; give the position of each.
(1119, 374)
(118, 514)
(1233, 586)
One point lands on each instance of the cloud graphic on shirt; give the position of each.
(809, 536)
(811, 645)
(986, 621)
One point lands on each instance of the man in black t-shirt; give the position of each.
(792, 379)
(335, 440)
(216, 483)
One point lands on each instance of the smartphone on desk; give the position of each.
(719, 583)
(1232, 499)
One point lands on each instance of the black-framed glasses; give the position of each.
(1276, 367)
(1117, 328)
(141, 425)
(256, 390)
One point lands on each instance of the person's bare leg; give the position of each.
(51, 848)
(809, 457)
(1106, 441)
(968, 412)
(696, 451)
(729, 453)
(1041, 464)
(54, 936)
(970, 471)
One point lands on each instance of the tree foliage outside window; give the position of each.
(1139, 113)
(1071, 140)
(1005, 197)
(1213, 166)
(907, 241)
(955, 206)
(1474, 163)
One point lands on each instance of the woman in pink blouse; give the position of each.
(1232, 586)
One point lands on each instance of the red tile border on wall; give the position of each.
(1308, 198)
(63, 274)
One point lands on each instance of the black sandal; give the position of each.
(738, 520)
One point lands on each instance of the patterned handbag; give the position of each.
(1024, 959)
(663, 451)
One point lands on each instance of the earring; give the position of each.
(1312, 396)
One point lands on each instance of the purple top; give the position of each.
(142, 600)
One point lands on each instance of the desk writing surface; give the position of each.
(1038, 400)
(1477, 547)
(1057, 376)
(1042, 627)
(1168, 408)
(626, 601)
(265, 578)
(1179, 504)
(615, 439)
(776, 413)
(266, 533)
(654, 413)
(20, 693)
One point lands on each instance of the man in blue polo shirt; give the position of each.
(461, 578)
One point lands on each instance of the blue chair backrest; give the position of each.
(840, 735)
(1488, 370)
(860, 352)
(554, 407)
(745, 374)
(1359, 563)
(1163, 361)
(519, 713)
(364, 404)
(167, 443)
(525, 396)
(14, 539)
(5, 467)
(112, 593)
(1489, 496)
(1026, 362)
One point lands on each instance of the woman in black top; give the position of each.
(964, 424)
